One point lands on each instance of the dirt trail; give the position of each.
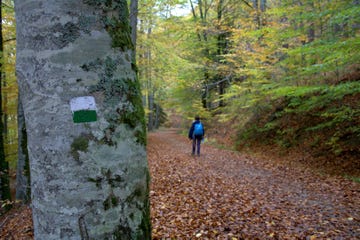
(225, 195)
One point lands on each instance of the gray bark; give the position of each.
(133, 22)
(23, 168)
(89, 180)
(157, 116)
(151, 111)
(260, 8)
(263, 5)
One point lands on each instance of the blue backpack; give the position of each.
(198, 129)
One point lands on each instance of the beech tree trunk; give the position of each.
(133, 23)
(84, 119)
(23, 167)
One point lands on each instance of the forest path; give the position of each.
(225, 195)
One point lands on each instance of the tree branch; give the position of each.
(5, 5)
(227, 78)
(247, 3)
(9, 40)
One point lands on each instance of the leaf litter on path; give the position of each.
(225, 195)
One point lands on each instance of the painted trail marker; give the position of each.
(83, 109)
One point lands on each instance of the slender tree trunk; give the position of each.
(150, 95)
(260, 9)
(221, 49)
(202, 7)
(84, 120)
(311, 33)
(311, 29)
(222, 87)
(151, 111)
(205, 94)
(157, 116)
(263, 5)
(195, 18)
(263, 10)
(4, 166)
(257, 13)
(5, 115)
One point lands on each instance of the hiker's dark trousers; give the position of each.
(196, 144)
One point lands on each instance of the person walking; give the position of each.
(196, 134)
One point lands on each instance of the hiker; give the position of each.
(196, 134)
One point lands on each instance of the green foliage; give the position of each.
(355, 179)
(8, 142)
(305, 114)
(307, 98)
(286, 85)
(297, 87)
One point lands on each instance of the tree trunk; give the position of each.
(263, 5)
(257, 14)
(151, 110)
(311, 32)
(23, 168)
(157, 116)
(4, 166)
(311, 29)
(259, 8)
(84, 118)
(149, 85)
(133, 23)
(222, 87)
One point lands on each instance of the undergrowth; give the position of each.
(323, 120)
(354, 179)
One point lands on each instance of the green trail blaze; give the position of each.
(84, 116)
(122, 97)
(114, 87)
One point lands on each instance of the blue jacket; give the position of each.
(191, 131)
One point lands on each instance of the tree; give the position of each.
(216, 20)
(23, 167)
(259, 9)
(4, 166)
(133, 22)
(84, 119)
(10, 104)
(153, 59)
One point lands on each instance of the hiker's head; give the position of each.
(197, 118)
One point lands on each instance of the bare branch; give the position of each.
(247, 3)
(7, 6)
(9, 40)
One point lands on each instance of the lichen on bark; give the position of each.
(115, 84)
(116, 21)
(91, 179)
(81, 144)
